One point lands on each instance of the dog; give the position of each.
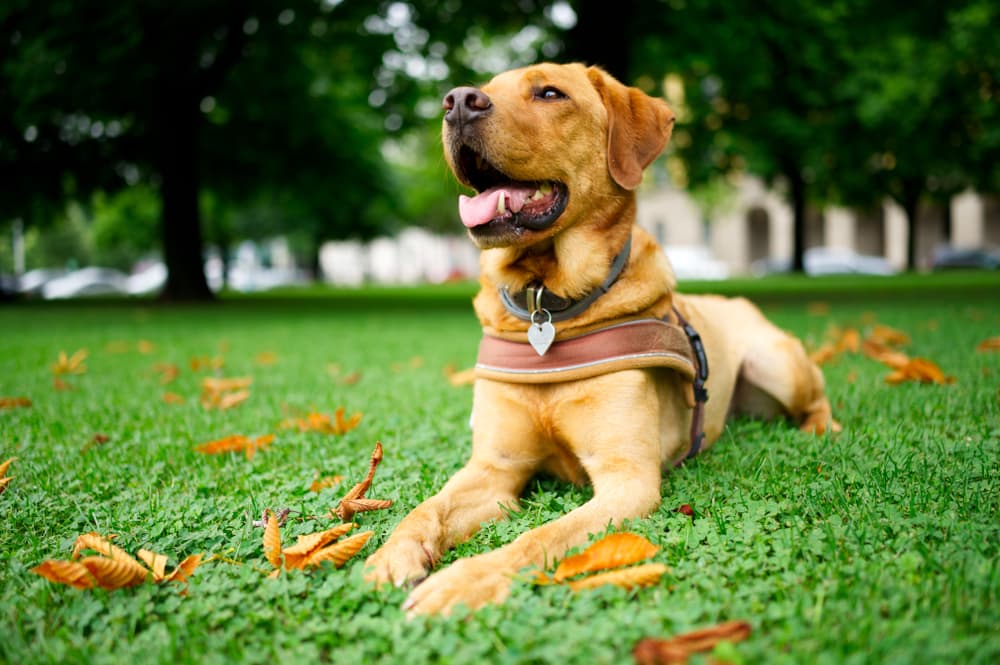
(555, 154)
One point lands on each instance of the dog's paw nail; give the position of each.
(408, 604)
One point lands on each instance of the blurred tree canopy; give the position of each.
(318, 118)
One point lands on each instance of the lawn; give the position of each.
(880, 544)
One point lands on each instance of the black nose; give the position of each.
(465, 104)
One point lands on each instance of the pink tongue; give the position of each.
(482, 208)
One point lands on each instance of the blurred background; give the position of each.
(179, 148)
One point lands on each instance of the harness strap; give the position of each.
(700, 392)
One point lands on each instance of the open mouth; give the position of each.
(504, 205)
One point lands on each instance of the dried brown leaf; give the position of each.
(235, 443)
(172, 398)
(344, 425)
(4, 482)
(155, 562)
(823, 354)
(272, 540)
(612, 551)
(144, 346)
(652, 651)
(73, 364)
(627, 578)
(339, 553)
(114, 573)
(5, 466)
(990, 344)
(366, 505)
(184, 569)
(297, 554)
(14, 402)
(350, 379)
(359, 490)
(850, 340)
(229, 400)
(889, 336)
(883, 354)
(199, 363)
(72, 573)
(60, 385)
(319, 484)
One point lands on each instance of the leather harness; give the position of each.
(631, 344)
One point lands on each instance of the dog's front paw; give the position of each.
(471, 582)
(398, 562)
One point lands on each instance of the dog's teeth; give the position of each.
(545, 189)
(537, 195)
(501, 208)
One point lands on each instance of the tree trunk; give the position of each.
(797, 192)
(177, 125)
(911, 207)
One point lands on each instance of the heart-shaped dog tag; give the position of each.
(540, 335)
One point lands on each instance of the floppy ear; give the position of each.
(639, 127)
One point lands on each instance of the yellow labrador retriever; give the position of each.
(592, 367)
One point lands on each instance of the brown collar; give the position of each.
(639, 344)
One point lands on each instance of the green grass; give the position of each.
(879, 545)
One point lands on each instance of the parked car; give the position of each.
(91, 281)
(695, 262)
(827, 261)
(32, 282)
(947, 258)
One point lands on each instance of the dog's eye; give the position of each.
(550, 94)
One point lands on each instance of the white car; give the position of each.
(87, 282)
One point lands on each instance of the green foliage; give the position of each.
(124, 226)
(880, 545)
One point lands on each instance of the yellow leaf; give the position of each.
(167, 372)
(155, 562)
(272, 540)
(172, 398)
(14, 402)
(296, 555)
(5, 466)
(823, 354)
(72, 573)
(96, 542)
(219, 385)
(617, 549)
(325, 482)
(4, 482)
(144, 346)
(343, 426)
(889, 336)
(229, 400)
(114, 573)
(850, 340)
(340, 553)
(184, 569)
(71, 365)
(60, 385)
(627, 578)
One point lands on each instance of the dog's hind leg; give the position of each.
(778, 378)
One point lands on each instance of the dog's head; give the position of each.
(543, 145)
